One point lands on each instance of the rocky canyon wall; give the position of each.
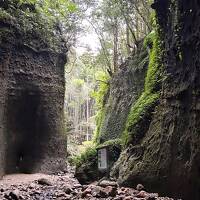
(126, 86)
(168, 155)
(32, 81)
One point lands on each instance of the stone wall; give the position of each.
(31, 100)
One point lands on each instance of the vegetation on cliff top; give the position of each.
(46, 21)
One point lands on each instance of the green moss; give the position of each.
(101, 96)
(99, 120)
(138, 111)
(90, 154)
(31, 25)
(151, 88)
(114, 142)
(148, 41)
(4, 15)
(153, 77)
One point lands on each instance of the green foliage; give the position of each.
(78, 83)
(89, 154)
(4, 32)
(100, 97)
(151, 89)
(31, 22)
(103, 86)
(57, 9)
(148, 41)
(4, 15)
(99, 119)
(44, 20)
(115, 142)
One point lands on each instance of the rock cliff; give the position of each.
(168, 155)
(125, 87)
(32, 60)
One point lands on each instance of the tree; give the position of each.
(120, 26)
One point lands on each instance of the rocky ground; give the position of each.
(64, 186)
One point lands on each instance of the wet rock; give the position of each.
(99, 192)
(15, 194)
(119, 198)
(68, 197)
(152, 196)
(129, 198)
(126, 191)
(63, 189)
(61, 194)
(106, 183)
(111, 191)
(85, 192)
(142, 194)
(35, 192)
(139, 187)
(44, 181)
(84, 187)
(67, 190)
(31, 186)
(6, 196)
(77, 186)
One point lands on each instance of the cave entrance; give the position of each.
(23, 132)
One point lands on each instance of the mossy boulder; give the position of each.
(87, 163)
(87, 166)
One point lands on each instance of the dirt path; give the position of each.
(63, 186)
(17, 179)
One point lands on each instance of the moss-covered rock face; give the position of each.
(32, 60)
(167, 157)
(140, 115)
(125, 87)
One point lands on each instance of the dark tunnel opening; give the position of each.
(25, 126)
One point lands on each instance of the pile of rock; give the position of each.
(66, 187)
(110, 190)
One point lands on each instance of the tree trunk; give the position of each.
(115, 47)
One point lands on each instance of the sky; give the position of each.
(89, 39)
